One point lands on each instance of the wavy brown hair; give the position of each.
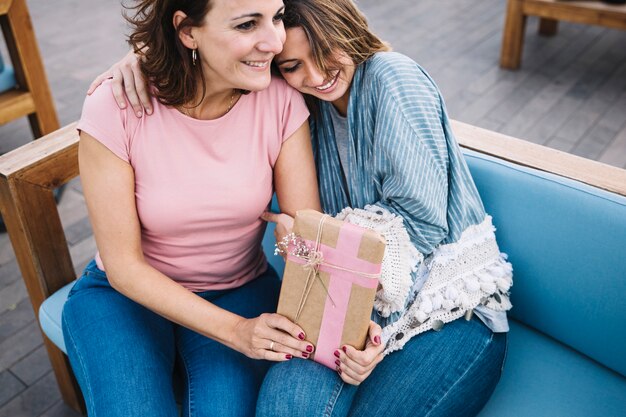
(331, 26)
(164, 60)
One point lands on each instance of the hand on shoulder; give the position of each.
(127, 83)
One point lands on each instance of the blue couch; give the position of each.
(567, 243)
(7, 76)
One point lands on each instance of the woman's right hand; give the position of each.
(354, 365)
(271, 337)
(128, 83)
(284, 224)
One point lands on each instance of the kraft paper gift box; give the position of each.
(330, 281)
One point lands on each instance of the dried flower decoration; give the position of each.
(299, 246)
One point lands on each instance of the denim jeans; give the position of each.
(124, 355)
(447, 373)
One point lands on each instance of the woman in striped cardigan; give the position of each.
(387, 159)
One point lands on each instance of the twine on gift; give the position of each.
(314, 259)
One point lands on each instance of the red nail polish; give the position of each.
(337, 353)
(339, 371)
(345, 349)
(337, 362)
(377, 340)
(305, 355)
(301, 336)
(288, 356)
(309, 348)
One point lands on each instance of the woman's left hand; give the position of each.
(284, 223)
(355, 365)
(128, 84)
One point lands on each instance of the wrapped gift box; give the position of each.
(330, 281)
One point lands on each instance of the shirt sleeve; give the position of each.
(105, 121)
(295, 112)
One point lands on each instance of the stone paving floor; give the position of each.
(570, 94)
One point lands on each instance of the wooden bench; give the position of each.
(32, 96)
(550, 12)
(515, 179)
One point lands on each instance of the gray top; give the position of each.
(340, 126)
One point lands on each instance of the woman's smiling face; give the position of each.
(297, 65)
(238, 41)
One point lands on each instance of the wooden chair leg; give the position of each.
(548, 27)
(28, 177)
(29, 70)
(513, 36)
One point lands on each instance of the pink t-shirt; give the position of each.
(201, 185)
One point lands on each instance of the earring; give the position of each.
(194, 56)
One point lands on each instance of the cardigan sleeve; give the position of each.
(411, 151)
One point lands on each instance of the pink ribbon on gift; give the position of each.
(345, 269)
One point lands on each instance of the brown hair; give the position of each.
(330, 26)
(164, 60)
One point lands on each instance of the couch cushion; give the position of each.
(566, 242)
(544, 378)
(50, 316)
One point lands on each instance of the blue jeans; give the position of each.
(448, 373)
(124, 356)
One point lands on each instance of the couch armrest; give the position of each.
(28, 178)
(539, 157)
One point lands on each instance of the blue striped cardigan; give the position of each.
(404, 159)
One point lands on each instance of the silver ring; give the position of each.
(272, 345)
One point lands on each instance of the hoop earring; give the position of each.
(194, 57)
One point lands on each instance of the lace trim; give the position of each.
(401, 258)
(462, 275)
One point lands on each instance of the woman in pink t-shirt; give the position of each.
(175, 201)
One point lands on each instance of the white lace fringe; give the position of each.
(462, 275)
